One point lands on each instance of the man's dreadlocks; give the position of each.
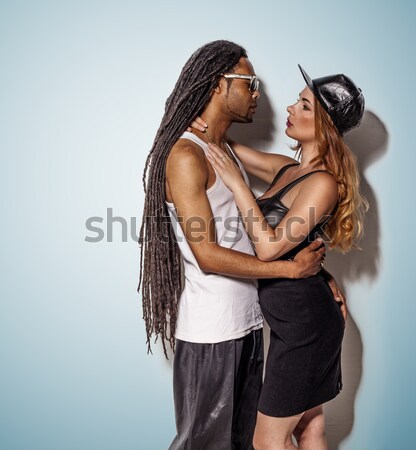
(160, 258)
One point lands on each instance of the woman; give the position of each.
(321, 193)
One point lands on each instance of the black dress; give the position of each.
(303, 368)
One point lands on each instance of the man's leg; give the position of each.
(248, 384)
(203, 382)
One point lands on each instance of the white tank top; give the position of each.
(215, 308)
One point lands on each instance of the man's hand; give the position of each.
(338, 294)
(308, 261)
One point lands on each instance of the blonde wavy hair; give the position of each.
(346, 226)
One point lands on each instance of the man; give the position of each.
(190, 216)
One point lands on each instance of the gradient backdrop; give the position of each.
(82, 92)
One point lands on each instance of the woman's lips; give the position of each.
(289, 123)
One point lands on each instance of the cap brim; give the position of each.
(314, 89)
(308, 80)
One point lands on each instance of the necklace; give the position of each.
(226, 146)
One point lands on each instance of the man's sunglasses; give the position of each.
(254, 81)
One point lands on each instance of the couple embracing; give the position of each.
(215, 260)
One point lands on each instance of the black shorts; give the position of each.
(216, 392)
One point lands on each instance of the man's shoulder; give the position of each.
(186, 154)
(185, 146)
(186, 160)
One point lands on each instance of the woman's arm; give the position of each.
(260, 164)
(317, 197)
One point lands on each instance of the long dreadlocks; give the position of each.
(160, 258)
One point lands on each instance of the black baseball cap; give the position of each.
(340, 97)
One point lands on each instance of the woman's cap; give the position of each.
(340, 97)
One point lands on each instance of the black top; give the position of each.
(274, 210)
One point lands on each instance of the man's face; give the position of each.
(239, 102)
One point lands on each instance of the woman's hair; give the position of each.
(160, 257)
(345, 227)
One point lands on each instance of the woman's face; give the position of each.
(300, 124)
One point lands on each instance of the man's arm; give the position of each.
(187, 176)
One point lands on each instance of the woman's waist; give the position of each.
(284, 283)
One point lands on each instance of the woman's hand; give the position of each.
(227, 169)
(197, 124)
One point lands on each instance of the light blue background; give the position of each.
(82, 91)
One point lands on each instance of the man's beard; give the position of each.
(237, 116)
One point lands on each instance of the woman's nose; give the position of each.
(289, 109)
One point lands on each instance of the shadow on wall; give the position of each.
(369, 143)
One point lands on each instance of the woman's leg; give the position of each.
(275, 433)
(310, 431)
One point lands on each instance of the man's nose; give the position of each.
(256, 94)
